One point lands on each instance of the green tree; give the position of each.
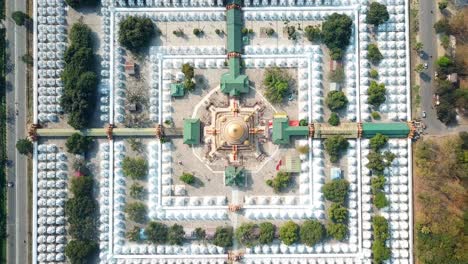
(175, 235)
(83, 228)
(380, 201)
(82, 186)
(312, 232)
(24, 146)
(375, 115)
(156, 232)
(200, 233)
(223, 237)
(336, 190)
(442, 26)
(137, 191)
(445, 41)
(337, 231)
(136, 32)
(19, 17)
(198, 32)
(338, 75)
(443, 4)
(377, 183)
(373, 54)
(377, 14)
(246, 235)
(380, 227)
(336, 100)
(378, 141)
(80, 35)
(28, 59)
(289, 233)
(334, 119)
(188, 70)
(280, 182)
(374, 74)
(303, 122)
(378, 162)
(80, 3)
(338, 213)
(276, 82)
(133, 234)
(80, 252)
(187, 178)
(78, 144)
(189, 84)
(376, 93)
(135, 168)
(136, 211)
(269, 32)
(445, 64)
(313, 33)
(336, 33)
(77, 208)
(334, 146)
(267, 233)
(135, 144)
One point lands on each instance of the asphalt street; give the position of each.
(17, 204)
(427, 35)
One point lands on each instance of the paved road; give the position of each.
(428, 37)
(17, 219)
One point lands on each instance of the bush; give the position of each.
(334, 146)
(373, 54)
(338, 213)
(175, 235)
(178, 33)
(189, 85)
(267, 233)
(375, 115)
(442, 26)
(78, 144)
(136, 211)
(156, 232)
(292, 34)
(135, 33)
(135, 168)
(19, 17)
(187, 178)
(380, 227)
(188, 71)
(376, 93)
(223, 237)
(80, 252)
(24, 146)
(334, 119)
(245, 31)
(378, 141)
(289, 233)
(377, 14)
(337, 231)
(313, 34)
(137, 191)
(338, 75)
(280, 182)
(336, 190)
(336, 32)
(380, 201)
(276, 82)
(312, 232)
(303, 122)
(374, 74)
(270, 32)
(28, 59)
(302, 149)
(380, 252)
(336, 100)
(246, 235)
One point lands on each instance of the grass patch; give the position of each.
(416, 96)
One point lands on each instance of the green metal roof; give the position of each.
(192, 131)
(234, 176)
(234, 30)
(282, 132)
(177, 89)
(232, 82)
(393, 130)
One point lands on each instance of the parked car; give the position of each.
(426, 66)
(10, 184)
(423, 114)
